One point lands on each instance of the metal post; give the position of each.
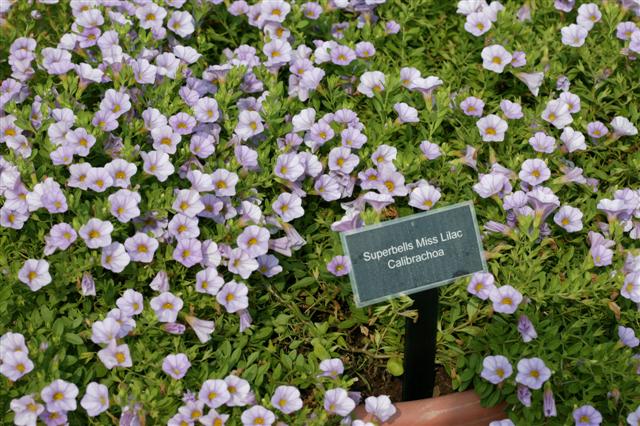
(420, 347)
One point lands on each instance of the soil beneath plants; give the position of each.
(385, 384)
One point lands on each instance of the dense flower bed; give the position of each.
(174, 175)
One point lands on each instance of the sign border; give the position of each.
(352, 279)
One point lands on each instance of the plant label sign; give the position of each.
(413, 253)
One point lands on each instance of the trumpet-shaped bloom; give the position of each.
(495, 58)
(35, 274)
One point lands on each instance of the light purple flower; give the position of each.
(628, 337)
(477, 23)
(633, 418)
(233, 296)
(26, 410)
(166, 306)
(495, 58)
(130, 303)
(342, 55)
(158, 164)
(430, 150)
(286, 399)
(188, 252)
(588, 14)
(573, 140)
(586, 415)
(371, 82)
(481, 285)
(472, 106)
(96, 233)
(343, 160)
(95, 399)
(114, 257)
(511, 110)
(124, 205)
(206, 110)
(541, 142)
(557, 113)
(176, 365)
(524, 395)
(288, 167)
(505, 299)
(15, 365)
(596, 129)
(406, 113)
(337, 401)
(339, 266)
(257, 415)
(254, 240)
(573, 35)
(601, 255)
(35, 274)
(288, 206)
(532, 372)
(181, 23)
(549, 404)
(141, 247)
(621, 125)
(241, 263)
(491, 184)
(121, 172)
(239, 391)
(569, 218)
(534, 171)
(424, 196)
(214, 393)
(60, 395)
(496, 368)
(224, 182)
(165, 139)
(492, 128)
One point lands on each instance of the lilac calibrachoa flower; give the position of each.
(187, 202)
(337, 401)
(35, 274)
(165, 139)
(477, 23)
(96, 233)
(628, 337)
(339, 266)
(557, 113)
(505, 299)
(15, 365)
(495, 58)
(424, 196)
(380, 407)
(596, 129)
(176, 365)
(257, 415)
(130, 303)
(491, 184)
(208, 281)
(573, 140)
(574, 35)
(214, 393)
(233, 296)
(481, 285)
(541, 142)
(492, 128)
(26, 410)
(254, 240)
(60, 395)
(534, 171)
(532, 372)
(96, 399)
(371, 82)
(430, 150)
(511, 110)
(239, 391)
(343, 160)
(496, 368)
(166, 306)
(115, 355)
(241, 263)
(406, 113)
(633, 418)
(288, 167)
(288, 206)
(286, 399)
(181, 23)
(569, 218)
(224, 182)
(158, 164)
(472, 106)
(124, 205)
(621, 125)
(115, 257)
(141, 247)
(588, 14)
(587, 416)
(188, 252)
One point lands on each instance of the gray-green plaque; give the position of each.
(413, 253)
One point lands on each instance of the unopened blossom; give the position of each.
(166, 306)
(573, 140)
(337, 401)
(176, 365)
(569, 218)
(541, 142)
(526, 329)
(628, 337)
(495, 58)
(96, 399)
(573, 35)
(87, 284)
(202, 328)
(371, 82)
(505, 299)
(549, 404)
(481, 285)
(477, 23)
(496, 368)
(26, 410)
(586, 415)
(406, 113)
(557, 113)
(15, 365)
(35, 274)
(60, 395)
(141, 247)
(114, 257)
(492, 128)
(524, 395)
(532, 372)
(233, 296)
(424, 197)
(214, 393)
(158, 164)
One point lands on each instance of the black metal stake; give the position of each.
(420, 347)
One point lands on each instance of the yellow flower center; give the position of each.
(167, 306)
(500, 372)
(552, 117)
(535, 374)
(491, 131)
(165, 141)
(120, 175)
(496, 60)
(230, 297)
(150, 17)
(507, 301)
(120, 357)
(58, 396)
(94, 233)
